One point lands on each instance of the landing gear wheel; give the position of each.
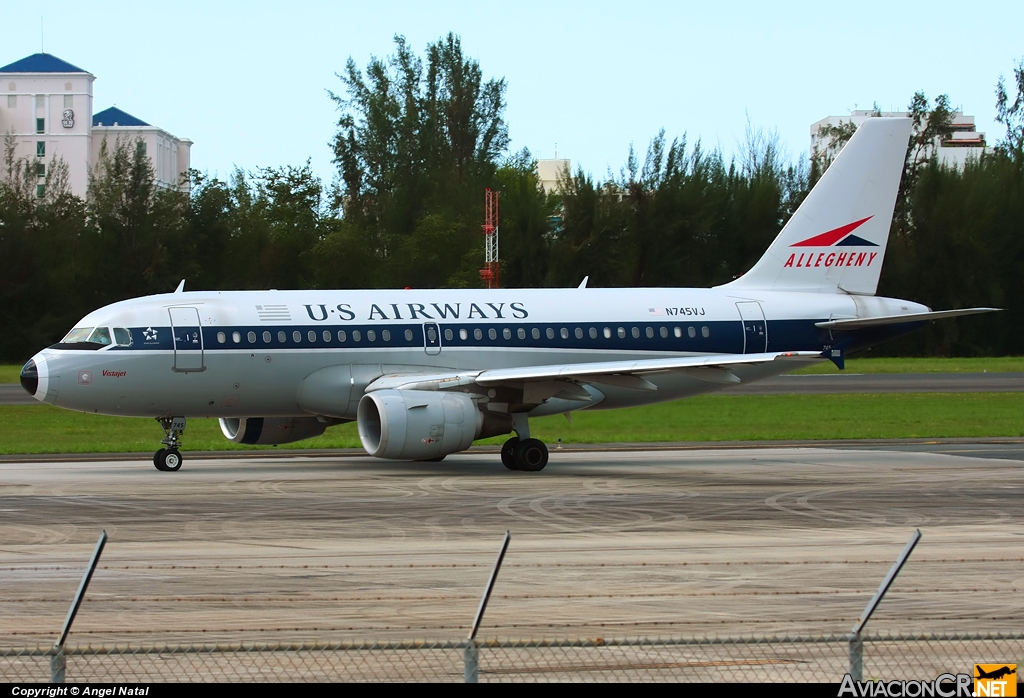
(531, 455)
(508, 453)
(168, 459)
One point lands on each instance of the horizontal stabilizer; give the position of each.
(857, 322)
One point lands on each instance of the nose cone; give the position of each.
(30, 377)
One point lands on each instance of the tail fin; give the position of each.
(835, 241)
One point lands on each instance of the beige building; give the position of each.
(964, 142)
(47, 105)
(548, 172)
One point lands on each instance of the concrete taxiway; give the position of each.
(790, 539)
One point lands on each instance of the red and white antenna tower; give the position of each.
(490, 227)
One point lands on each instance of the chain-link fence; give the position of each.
(756, 659)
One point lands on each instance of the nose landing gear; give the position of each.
(169, 459)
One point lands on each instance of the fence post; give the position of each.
(471, 658)
(856, 657)
(58, 663)
(856, 640)
(471, 654)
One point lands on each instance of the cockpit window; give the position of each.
(122, 337)
(79, 334)
(101, 335)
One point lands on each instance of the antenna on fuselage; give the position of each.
(181, 287)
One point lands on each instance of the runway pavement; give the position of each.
(13, 394)
(605, 543)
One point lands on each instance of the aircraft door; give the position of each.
(188, 340)
(431, 338)
(755, 328)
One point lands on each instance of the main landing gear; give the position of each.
(530, 455)
(169, 459)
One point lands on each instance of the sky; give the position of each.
(248, 81)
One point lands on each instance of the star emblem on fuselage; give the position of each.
(150, 334)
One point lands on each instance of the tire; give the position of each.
(169, 460)
(531, 455)
(508, 453)
(157, 458)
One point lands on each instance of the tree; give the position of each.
(418, 140)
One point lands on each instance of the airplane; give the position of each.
(995, 674)
(424, 373)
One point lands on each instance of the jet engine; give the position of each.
(272, 430)
(422, 424)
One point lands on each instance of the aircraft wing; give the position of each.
(713, 368)
(858, 323)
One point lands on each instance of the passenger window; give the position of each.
(649, 332)
(236, 337)
(327, 335)
(342, 336)
(621, 332)
(563, 333)
(593, 333)
(371, 336)
(705, 331)
(408, 335)
(535, 333)
(251, 337)
(521, 333)
(282, 337)
(463, 334)
(478, 334)
(296, 336)
(550, 333)
(122, 337)
(677, 331)
(221, 337)
(663, 332)
(101, 335)
(385, 335)
(448, 335)
(690, 332)
(492, 334)
(579, 333)
(506, 333)
(311, 336)
(607, 332)
(636, 333)
(356, 336)
(266, 337)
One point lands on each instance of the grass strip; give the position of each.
(46, 429)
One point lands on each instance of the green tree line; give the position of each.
(419, 138)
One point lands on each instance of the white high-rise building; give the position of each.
(964, 142)
(46, 104)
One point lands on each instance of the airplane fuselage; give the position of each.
(244, 353)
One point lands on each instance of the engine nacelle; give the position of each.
(421, 424)
(272, 430)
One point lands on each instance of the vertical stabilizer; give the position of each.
(835, 242)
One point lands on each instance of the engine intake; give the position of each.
(421, 424)
(272, 430)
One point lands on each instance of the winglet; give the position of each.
(583, 284)
(181, 287)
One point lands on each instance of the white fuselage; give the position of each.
(247, 353)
